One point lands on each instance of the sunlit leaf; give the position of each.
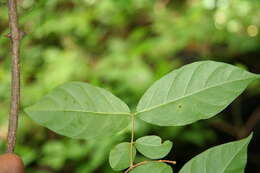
(79, 110)
(196, 91)
(152, 147)
(119, 157)
(227, 158)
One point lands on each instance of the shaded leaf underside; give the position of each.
(152, 147)
(79, 110)
(196, 91)
(120, 156)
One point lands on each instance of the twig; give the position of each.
(225, 127)
(145, 162)
(15, 37)
(250, 124)
(239, 132)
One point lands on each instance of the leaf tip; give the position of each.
(249, 137)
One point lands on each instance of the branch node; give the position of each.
(8, 35)
(21, 35)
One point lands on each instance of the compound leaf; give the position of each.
(196, 91)
(152, 147)
(119, 157)
(226, 158)
(153, 167)
(80, 110)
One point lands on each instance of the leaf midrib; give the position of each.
(223, 171)
(193, 93)
(151, 145)
(66, 110)
(228, 163)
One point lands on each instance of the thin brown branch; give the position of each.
(225, 127)
(250, 124)
(15, 36)
(239, 132)
(145, 162)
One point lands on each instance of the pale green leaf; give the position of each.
(226, 158)
(79, 110)
(120, 156)
(153, 167)
(152, 147)
(196, 91)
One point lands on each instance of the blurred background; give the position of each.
(124, 46)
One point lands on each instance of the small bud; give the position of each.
(11, 163)
(8, 35)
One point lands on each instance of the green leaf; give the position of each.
(152, 147)
(79, 110)
(196, 91)
(226, 158)
(119, 157)
(153, 167)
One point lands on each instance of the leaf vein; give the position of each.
(196, 92)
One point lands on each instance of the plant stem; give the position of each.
(145, 162)
(132, 140)
(15, 36)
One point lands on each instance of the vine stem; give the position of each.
(15, 37)
(145, 162)
(132, 140)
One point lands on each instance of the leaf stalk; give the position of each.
(145, 162)
(132, 139)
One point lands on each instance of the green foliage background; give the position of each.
(124, 46)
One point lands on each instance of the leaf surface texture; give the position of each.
(119, 157)
(152, 147)
(196, 91)
(80, 110)
(227, 158)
